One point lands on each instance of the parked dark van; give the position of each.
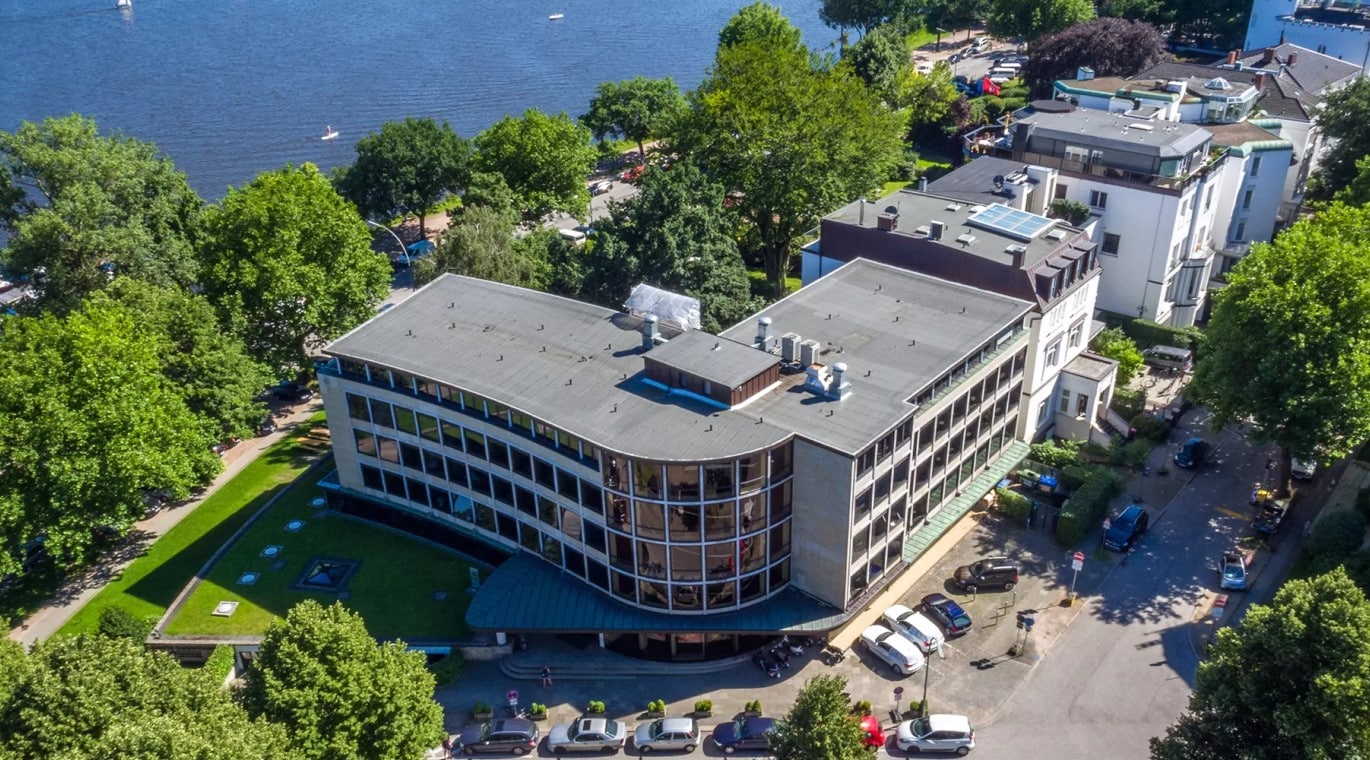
(992, 572)
(1169, 357)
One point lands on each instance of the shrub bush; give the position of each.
(447, 669)
(1012, 504)
(537, 708)
(1148, 333)
(1076, 475)
(1150, 427)
(656, 705)
(1055, 453)
(220, 663)
(1133, 454)
(704, 705)
(753, 706)
(481, 707)
(1335, 538)
(1087, 505)
(862, 708)
(596, 706)
(1128, 403)
(1116, 345)
(1074, 212)
(118, 623)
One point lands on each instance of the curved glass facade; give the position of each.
(699, 537)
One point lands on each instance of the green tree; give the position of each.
(1030, 19)
(675, 234)
(1289, 341)
(1114, 344)
(92, 202)
(1291, 680)
(92, 696)
(289, 266)
(480, 243)
(1357, 191)
(1342, 119)
(793, 142)
(862, 15)
(91, 423)
(407, 168)
(544, 160)
(210, 368)
(820, 725)
(760, 23)
(338, 693)
(929, 102)
(637, 108)
(880, 58)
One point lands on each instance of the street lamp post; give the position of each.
(403, 251)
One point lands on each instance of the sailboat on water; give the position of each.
(123, 4)
(329, 133)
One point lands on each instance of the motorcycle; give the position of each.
(765, 663)
(796, 648)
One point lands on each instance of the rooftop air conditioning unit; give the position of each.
(808, 352)
(789, 347)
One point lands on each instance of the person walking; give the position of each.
(546, 676)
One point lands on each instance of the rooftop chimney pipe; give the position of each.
(1232, 57)
(839, 388)
(763, 333)
(650, 331)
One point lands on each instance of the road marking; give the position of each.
(1231, 513)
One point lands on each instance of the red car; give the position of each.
(875, 735)
(632, 174)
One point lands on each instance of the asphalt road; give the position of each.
(1124, 669)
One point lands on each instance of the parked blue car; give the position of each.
(1193, 454)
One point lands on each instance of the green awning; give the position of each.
(947, 516)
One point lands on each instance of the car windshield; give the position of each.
(656, 730)
(921, 727)
(740, 728)
(486, 730)
(611, 728)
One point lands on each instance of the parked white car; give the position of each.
(936, 733)
(914, 626)
(895, 650)
(1303, 470)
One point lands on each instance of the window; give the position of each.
(522, 463)
(1065, 402)
(499, 453)
(380, 414)
(1054, 353)
(1098, 199)
(358, 408)
(1255, 166)
(1111, 243)
(404, 420)
(1246, 198)
(451, 436)
(366, 443)
(1241, 231)
(1208, 198)
(410, 457)
(1060, 194)
(428, 427)
(475, 444)
(1041, 413)
(1076, 331)
(1081, 405)
(371, 478)
(544, 473)
(1076, 153)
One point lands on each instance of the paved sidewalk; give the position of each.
(81, 589)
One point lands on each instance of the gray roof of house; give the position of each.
(896, 330)
(719, 360)
(1091, 366)
(917, 209)
(1105, 130)
(1311, 70)
(578, 366)
(974, 180)
(1197, 76)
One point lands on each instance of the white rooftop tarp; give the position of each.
(671, 308)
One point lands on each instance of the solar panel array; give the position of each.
(1010, 221)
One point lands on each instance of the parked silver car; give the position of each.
(936, 733)
(587, 735)
(667, 734)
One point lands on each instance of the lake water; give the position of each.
(231, 88)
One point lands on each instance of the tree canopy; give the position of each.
(209, 368)
(1031, 19)
(675, 234)
(637, 109)
(1291, 680)
(1343, 118)
(1110, 46)
(480, 243)
(91, 423)
(862, 15)
(339, 693)
(289, 266)
(1289, 341)
(544, 160)
(820, 726)
(80, 207)
(92, 696)
(406, 168)
(880, 58)
(1114, 344)
(791, 141)
(761, 23)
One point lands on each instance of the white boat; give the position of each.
(556, 17)
(329, 133)
(123, 4)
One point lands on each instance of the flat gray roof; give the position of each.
(578, 366)
(1106, 130)
(897, 331)
(918, 209)
(572, 364)
(720, 360)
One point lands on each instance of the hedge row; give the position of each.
(1148, 333)
(1085, 509)
(1010, 503)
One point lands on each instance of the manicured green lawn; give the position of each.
(891, 187)
(392, 587)
(148, 586)
(760, 287)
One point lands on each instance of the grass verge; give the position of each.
(148, 586)
(392, 587)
